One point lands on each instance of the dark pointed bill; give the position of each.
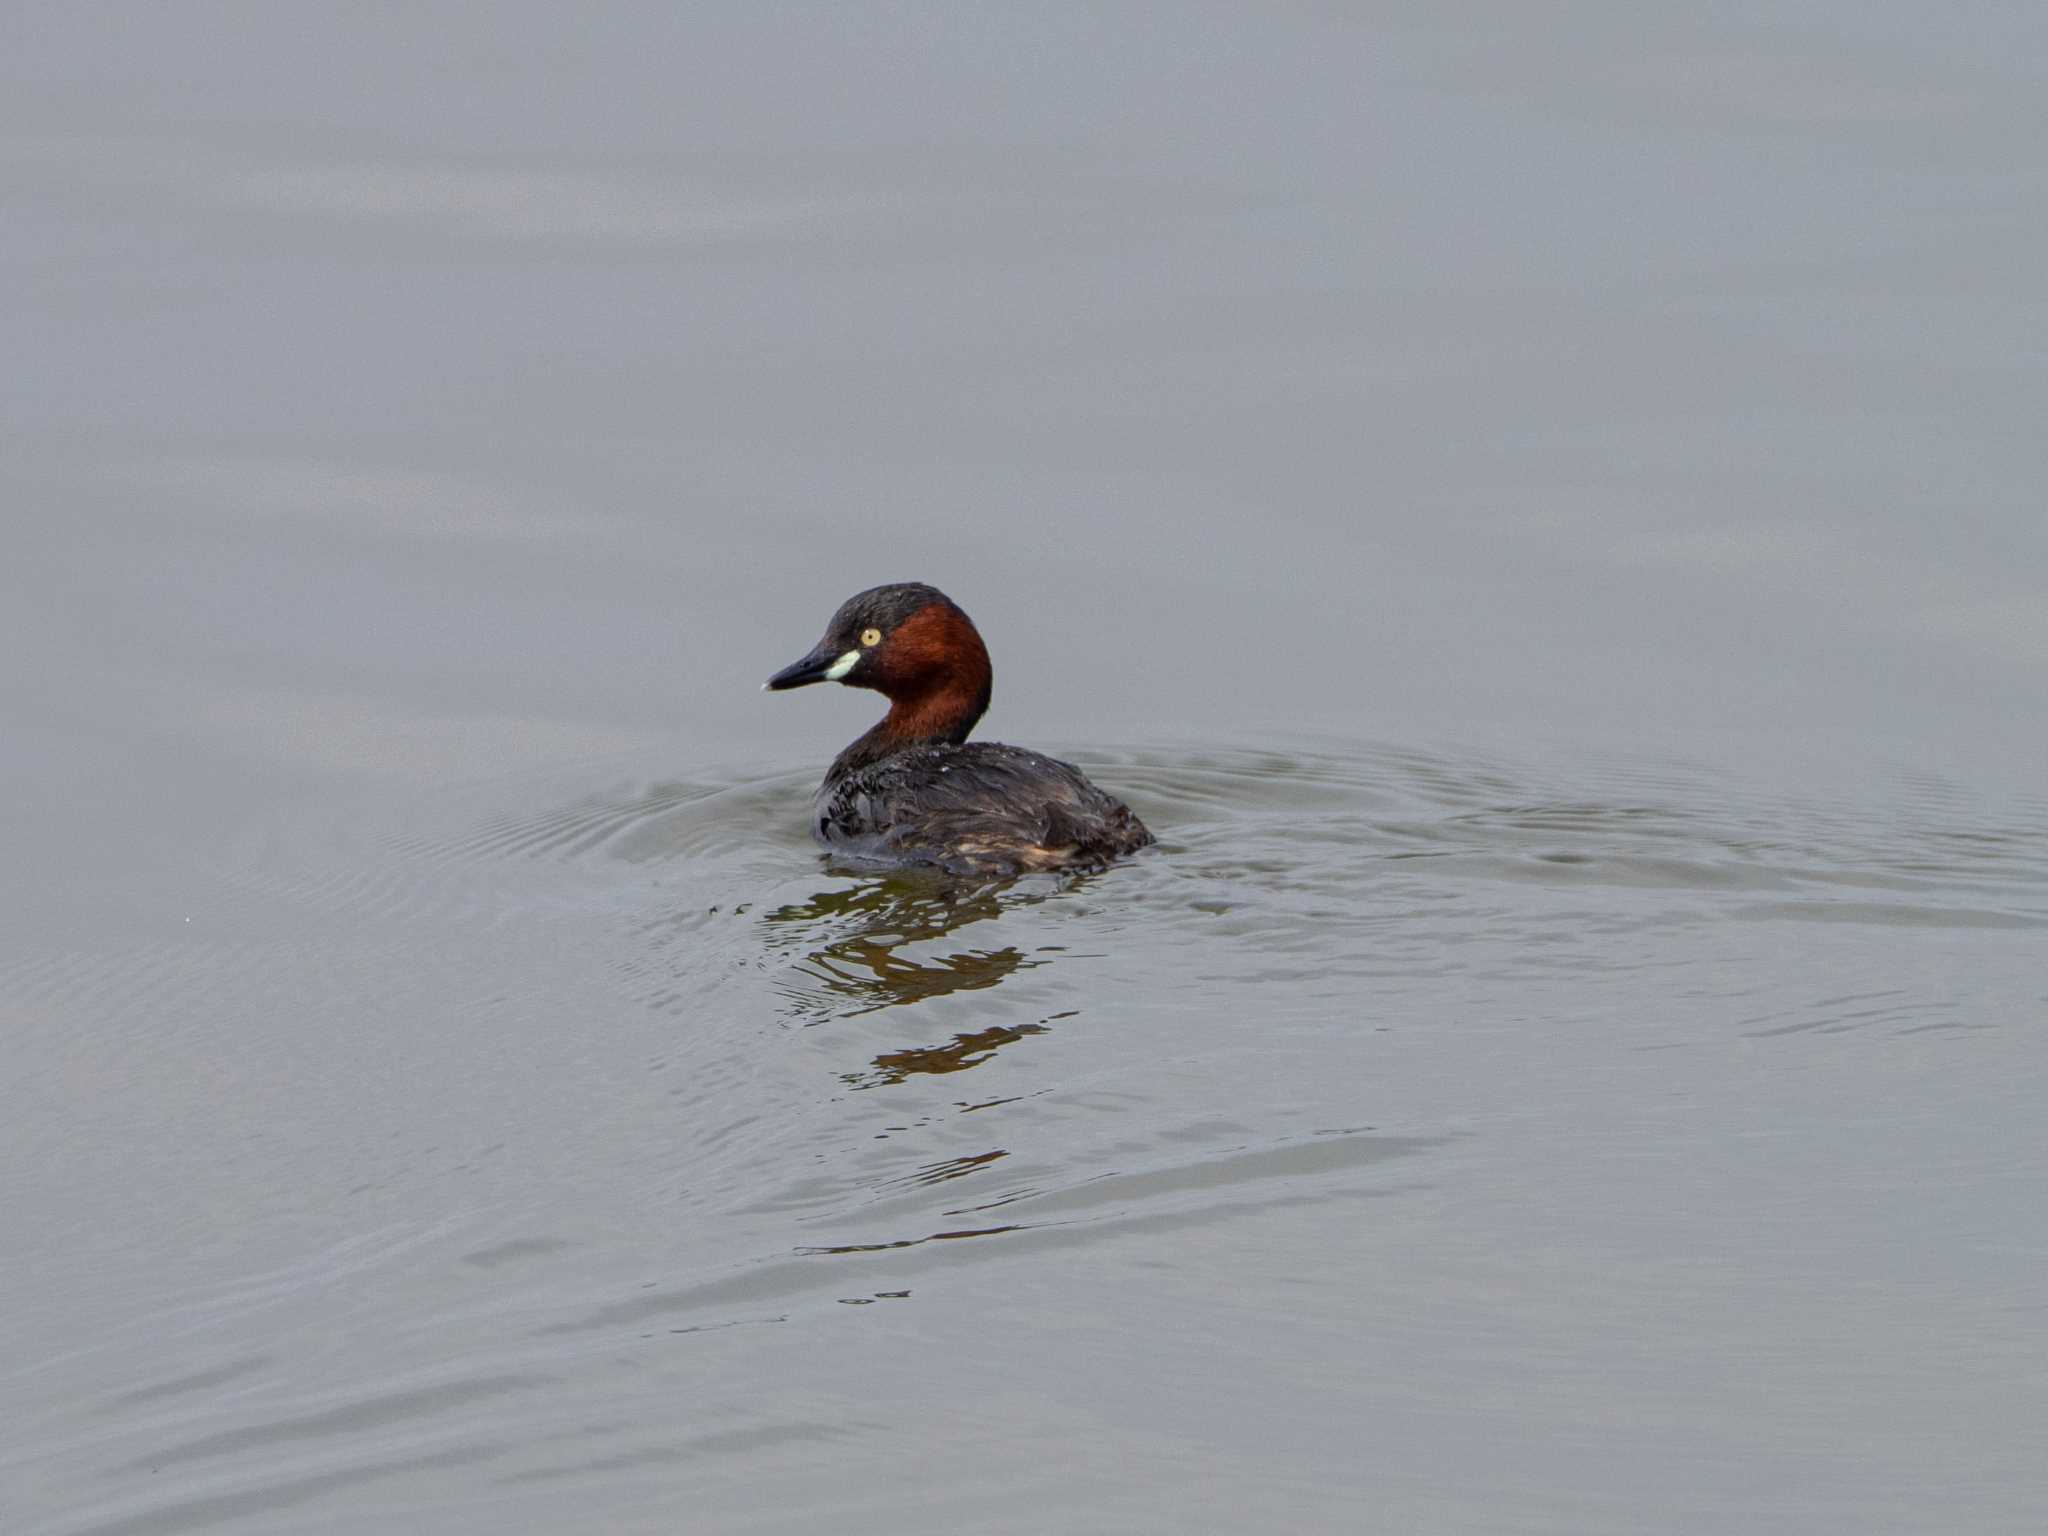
(823, 665)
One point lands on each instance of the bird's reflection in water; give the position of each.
(956, 1055)
(855, 943)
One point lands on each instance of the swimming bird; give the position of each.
(913, 789)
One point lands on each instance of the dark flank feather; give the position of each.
(977, 808)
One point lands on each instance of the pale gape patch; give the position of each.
(842, 666)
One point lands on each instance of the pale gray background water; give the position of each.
(1541, 508)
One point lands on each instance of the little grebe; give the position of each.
(914, 789)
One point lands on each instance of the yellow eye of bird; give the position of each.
(871, 637)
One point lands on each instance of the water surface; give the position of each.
(1541, 514)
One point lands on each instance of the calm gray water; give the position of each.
(1540, 508)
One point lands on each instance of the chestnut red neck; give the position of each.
(942, 714)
